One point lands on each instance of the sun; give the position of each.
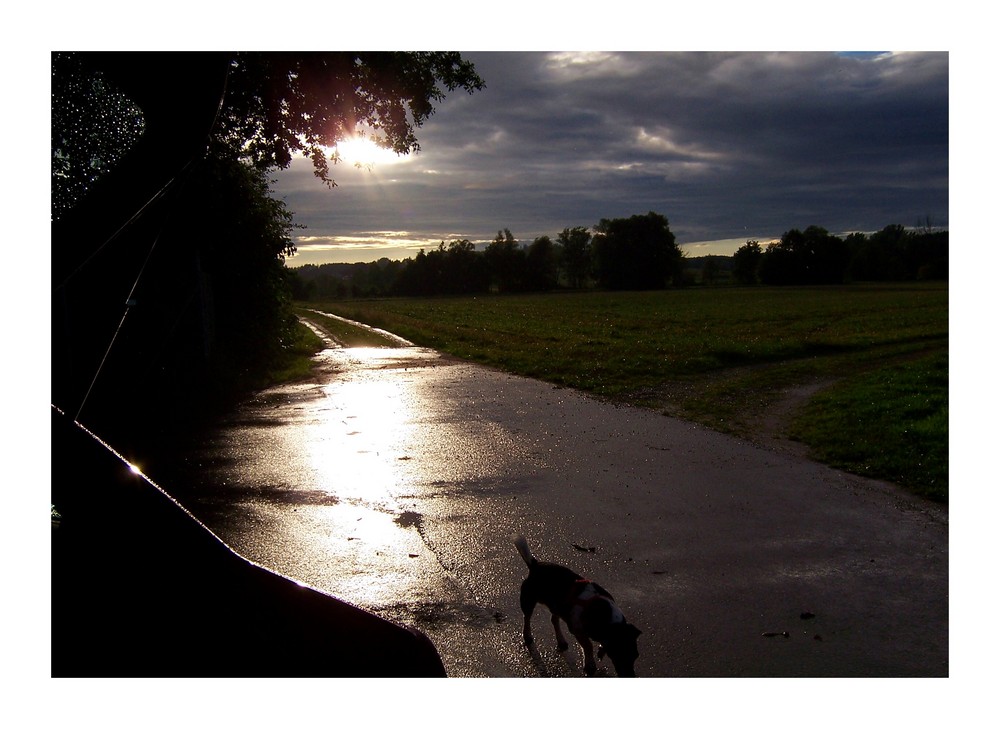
(361, 151)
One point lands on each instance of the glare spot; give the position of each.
(363, 152)
(364, 447)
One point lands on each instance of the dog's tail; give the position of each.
(522, 548)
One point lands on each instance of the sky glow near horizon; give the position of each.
(729, 147)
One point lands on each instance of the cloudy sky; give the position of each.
(728, 146)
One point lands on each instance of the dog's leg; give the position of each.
(527, 607)
(528, 637)
(561, 643)
(589, 664)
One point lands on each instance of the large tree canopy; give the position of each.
(280, 104)
(151, 112)
(638, 252)
(161, 206)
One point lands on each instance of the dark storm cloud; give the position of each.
(724, 144)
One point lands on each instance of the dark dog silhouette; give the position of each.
(587, 608)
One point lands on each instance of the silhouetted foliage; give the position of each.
(507, 262)
(575, 256)
(343, 280)
(178, 231)
(814, 256)
(638, 252)
(746, 261)
(212, 313)
(506, 266)
(541, 263)
(896, 254)
(239, 237)
(280, 104)
(93, 127)
(453, 269)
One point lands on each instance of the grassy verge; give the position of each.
(891, 423)
(295, 363)
(725, 357)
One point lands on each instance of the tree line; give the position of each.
(639, 252)
(814, 256)
(632, 253)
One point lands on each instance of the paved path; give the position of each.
(395, 480)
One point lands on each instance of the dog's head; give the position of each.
(620, 646)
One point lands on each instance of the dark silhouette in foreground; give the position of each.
(141, 588)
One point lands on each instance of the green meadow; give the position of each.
(858, 375)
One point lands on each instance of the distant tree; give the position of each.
(411, 279)
(326, 281)
(385, 272)
(541, 265)
(866, 262)
(898, 254)
(930, 255)
(301, 288)
(777, 266)
(464, 269)
(638, 252)
(746, 261)
(507, 262)
(455, 268)
(575, 255)
(812, 256)
(830, 256)
(433, 272)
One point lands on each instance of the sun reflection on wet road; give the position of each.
(365, 426)
(361, 436)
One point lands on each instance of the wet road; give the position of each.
(395, 480)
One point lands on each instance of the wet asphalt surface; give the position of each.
(395, 480)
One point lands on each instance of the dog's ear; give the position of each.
(634, 630)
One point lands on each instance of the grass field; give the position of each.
(858, 373)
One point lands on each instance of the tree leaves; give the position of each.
(281, 104)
